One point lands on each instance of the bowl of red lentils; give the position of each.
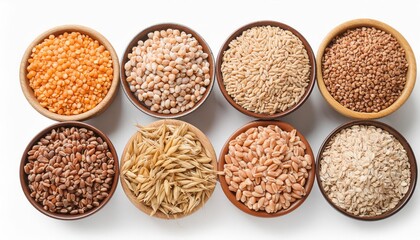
(266, 69)
(266, 168)
(167, 70)
(365, 69)
(70, 73)
(69, 170)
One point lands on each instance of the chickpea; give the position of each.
(179, 69)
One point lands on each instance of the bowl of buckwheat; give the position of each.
(365, 69)
(266, 168)
(167, 70)
(266, 69)
(69, 170)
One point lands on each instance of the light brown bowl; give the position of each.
(143, 36)
(29, 94)
(206, 145)
(24, 177)
(411, 158)
(232, 197)
(411, 73)
(238, 107)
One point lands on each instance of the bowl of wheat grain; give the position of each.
(266, 69)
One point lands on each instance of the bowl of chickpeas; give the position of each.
(167, 70)
(70, 73)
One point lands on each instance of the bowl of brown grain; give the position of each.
(69, 170)
(365, 69)
(268, 78)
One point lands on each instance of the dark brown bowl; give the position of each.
(143, 36)
(29, 93)
(24, 179)
(238, 107)
(231, 196)
(411, 158)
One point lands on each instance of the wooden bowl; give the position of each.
(238, 33)
(24, 177)
(206, 145)
(29, 94)
(231, 195)
(411, 158)
(143, 36)
(411, 73)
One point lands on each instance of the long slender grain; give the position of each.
(168, 169)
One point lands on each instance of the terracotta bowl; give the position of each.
(143, 207)
(231, 195)
(411, 73)
(238, 33)
(143, 36)
(24, 177)
(411, 158)
(29, 94)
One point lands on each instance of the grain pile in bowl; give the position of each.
(267, 168)
(168, 72)
(365, 170)
(266, 69)
(365, 69)
(70, 73)
(70, 170)
(167, 169)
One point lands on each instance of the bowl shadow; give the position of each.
(205, 116)
(304, 118)
(109, 120)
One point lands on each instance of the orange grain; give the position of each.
(70, 74)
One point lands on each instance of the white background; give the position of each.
(119, 21)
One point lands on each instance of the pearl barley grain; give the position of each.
(169, 72)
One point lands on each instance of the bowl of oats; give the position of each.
(366, 170)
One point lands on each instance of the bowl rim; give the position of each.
(206, 145)
(142, 35)
(231, 196)
(24, 160)
(411, 72)
(58, 30)
(312, 75)
(411, 158)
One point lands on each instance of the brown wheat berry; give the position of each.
(70, 170)
(364, 69)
